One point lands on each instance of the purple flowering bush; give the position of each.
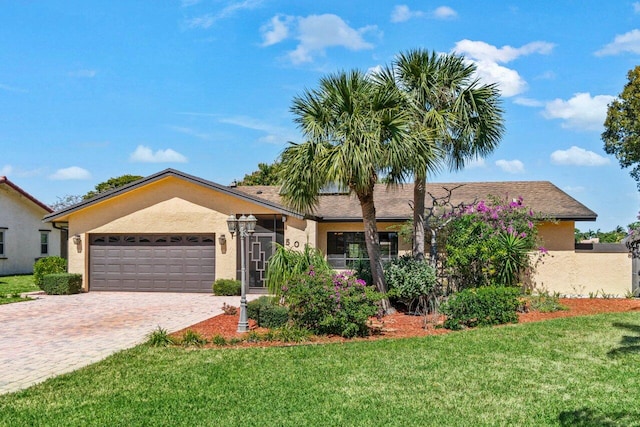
(490, 243)
(331, 304)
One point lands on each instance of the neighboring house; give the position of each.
(23, 236)
(168, 231)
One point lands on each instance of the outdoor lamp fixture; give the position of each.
(222, 239)
(77, 239)
(244, 226)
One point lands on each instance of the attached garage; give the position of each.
(152, 262)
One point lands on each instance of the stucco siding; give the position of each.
(300, 232)
(584, 273)
(21, 222)
(557, 236)
(169, 205)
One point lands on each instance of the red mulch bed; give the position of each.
(400, 325)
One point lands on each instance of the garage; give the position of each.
(152, 262)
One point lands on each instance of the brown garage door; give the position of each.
(152, 262)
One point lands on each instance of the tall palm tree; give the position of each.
(355, 131)
(463, 115)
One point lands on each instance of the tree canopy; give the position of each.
(460, 116)
(622, 126)
(267, 174)
(111, 184)
(355, 130)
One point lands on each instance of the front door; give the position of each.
(259, 250)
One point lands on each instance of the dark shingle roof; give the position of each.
(393, 203)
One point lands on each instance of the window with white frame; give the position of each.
(44, 242)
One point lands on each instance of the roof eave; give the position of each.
(160, 175)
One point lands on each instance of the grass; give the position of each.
(565, 372)
(12, 286)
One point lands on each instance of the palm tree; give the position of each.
(464, 116)
(355, 131)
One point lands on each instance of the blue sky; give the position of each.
(91, 90)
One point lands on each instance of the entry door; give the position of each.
(259, 251)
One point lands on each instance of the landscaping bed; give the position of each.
(400, 325)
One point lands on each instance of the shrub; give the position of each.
(489, 244)
(267, 313)
(159, 338)
(192, 338)
(328, 304)
(218, 340)
(62, 284)
(48, 265)
(229, 310)
(291, 333)
(227, 287)
(287, 263)
(410, 281)
(490, 305)
(546, 303)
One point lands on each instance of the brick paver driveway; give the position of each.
(57, 334)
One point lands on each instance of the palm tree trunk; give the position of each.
(372, 241)
(419, 193)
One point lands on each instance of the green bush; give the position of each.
(410, 281)
(267, 313)
(227, 287)
(159, 338)
(62, 284)
(489, 305)
(48, 265)
(329, 304)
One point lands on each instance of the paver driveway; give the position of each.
(56, 334)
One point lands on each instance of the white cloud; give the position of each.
(577, 156)
(84, 73)
(528, 102)
(444, 12)
(146, 155)
(488, 58)
(11, 88)
(475, 163)
(580, 112)
(511, 166)
(574, 189)
(276, 30)
(627, 42)
(70, 173)
(206, 21)
(272, 134)
(6, 170)
(315, 33)
(402, 13)
(191, 132)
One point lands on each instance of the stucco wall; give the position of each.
(557, 236)
(299, 232)
(23, 221)
(170, 205)
(584, 273)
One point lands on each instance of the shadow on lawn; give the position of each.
(628, 343)
(586, 417)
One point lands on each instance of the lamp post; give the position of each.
(244, 226)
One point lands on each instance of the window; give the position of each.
(344, 248)
(2, 232)
(44, 242)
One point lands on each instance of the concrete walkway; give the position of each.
(53, 335)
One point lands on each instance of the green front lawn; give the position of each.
(10, 286)
(582, 371)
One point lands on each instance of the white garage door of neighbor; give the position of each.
(152, 262)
